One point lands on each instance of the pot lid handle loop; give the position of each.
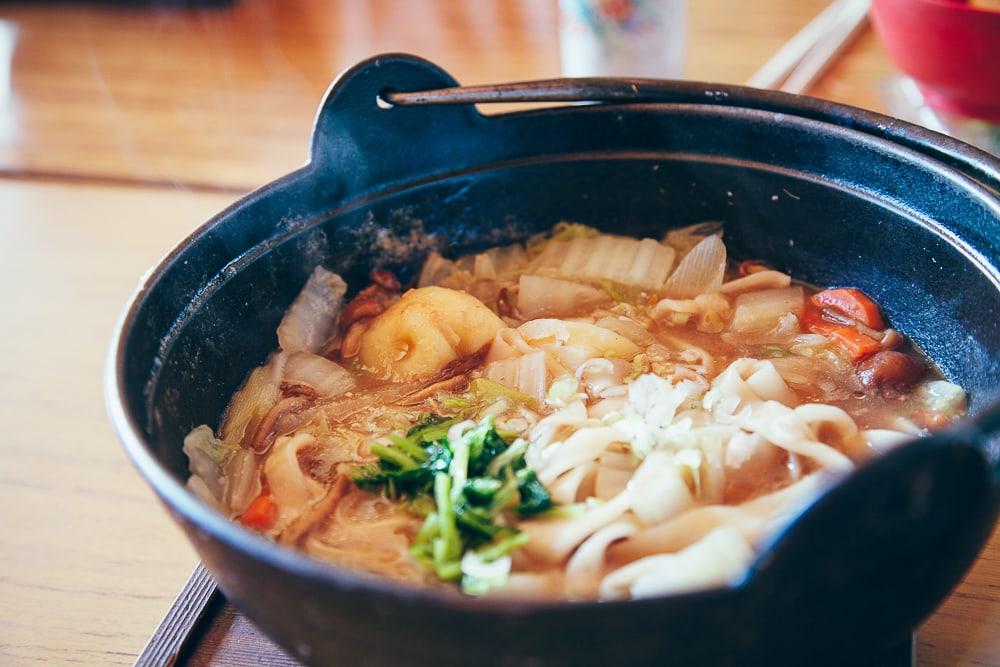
(974, 163)
(364, 143)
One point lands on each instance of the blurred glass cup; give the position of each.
(641, 38)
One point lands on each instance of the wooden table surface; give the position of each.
(123, 129)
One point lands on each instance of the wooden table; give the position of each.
(120, 131)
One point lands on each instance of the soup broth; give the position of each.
(582, 416)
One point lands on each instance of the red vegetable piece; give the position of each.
(890, 371)
(813, 320)
(852, 303)
(261, 514)
(855, 344)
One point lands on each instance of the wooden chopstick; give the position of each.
(776, 70)
(850, 23)
(177, 627)
(802, 60)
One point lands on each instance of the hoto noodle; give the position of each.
(583, 416)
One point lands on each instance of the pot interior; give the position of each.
(831, 215)
(828, 205)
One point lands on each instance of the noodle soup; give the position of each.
(582, 416)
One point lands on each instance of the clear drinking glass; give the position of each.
(642, 38)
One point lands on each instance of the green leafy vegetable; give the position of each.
(485, 390)
(511, 456)
(483, 394)
(431, 428)
(502, 547)
(534, 497)
(773, 352)
(616, 294)
(488, 567)
(463, 487)
(567, 231)
(482, 490)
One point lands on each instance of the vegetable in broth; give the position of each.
(584, 416)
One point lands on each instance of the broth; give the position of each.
(584, 416)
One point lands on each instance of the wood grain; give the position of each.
(192, 609)
(89, 561)
(120, 131)
(965, 630)
(225, 99)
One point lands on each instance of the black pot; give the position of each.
(831, 194)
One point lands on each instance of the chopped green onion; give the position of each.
(484, 388)
(465, 489)
(459, 468)
(457, 403)
(428, 530)
(451, 545)
(411, 449)
(773, 352)
(501, 547)
(394, 456)
(505, 496)
(616, 295)
(482, 490)
(477, 519)
(509, 455)
(449, 571)
(431, 429)
(534, 497)
(571, 511)
(567, 231)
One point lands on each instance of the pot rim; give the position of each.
(183, 505)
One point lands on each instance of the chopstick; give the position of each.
(178, 625)
(803, 59)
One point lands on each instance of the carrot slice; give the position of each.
(261, 514)
(812, 319)
(854, 344)
(853, 303)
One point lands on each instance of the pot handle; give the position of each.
(983, 429)
(875, 553)
(400, 80)
(899, 486)
(385, 118)
(361, 143)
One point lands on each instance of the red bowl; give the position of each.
(950, 49)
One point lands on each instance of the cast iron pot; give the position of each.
(831, 194)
